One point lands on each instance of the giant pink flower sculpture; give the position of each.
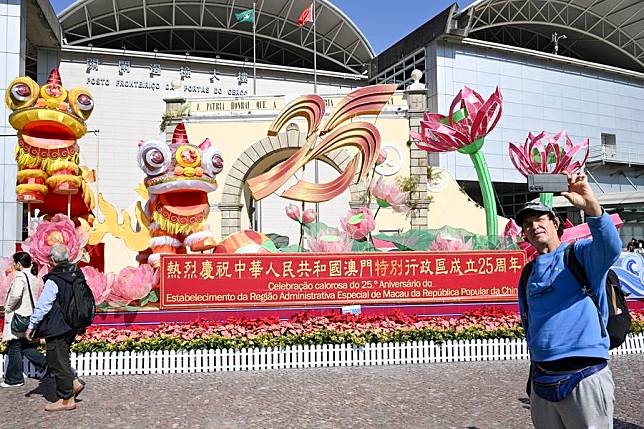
(60, 229)
(544, 154)
(476, 119)
(130, 284)
(382, 157)
(448, 244)
(330, 241)
(512, 230)
(307, 216)
(388, 194)
(358, 223)
(6, 277)
(293, 212)
(464, 130)
(97, 282)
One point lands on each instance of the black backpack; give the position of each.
(619, 318)
(81, 308)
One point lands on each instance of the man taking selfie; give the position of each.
(571, 384)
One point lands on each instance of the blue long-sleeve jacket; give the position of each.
(562, 320)
(44, 304)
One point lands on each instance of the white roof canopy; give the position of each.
(209, 28)
(605, 31)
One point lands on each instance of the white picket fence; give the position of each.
(327, 355)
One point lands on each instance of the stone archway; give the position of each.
(231, 201)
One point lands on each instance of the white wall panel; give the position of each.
(538, 95)
(10, 67)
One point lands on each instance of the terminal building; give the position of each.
(560, 65)
(590, 81)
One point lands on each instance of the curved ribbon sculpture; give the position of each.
(464, 130)
(361, 135)
(535, 157)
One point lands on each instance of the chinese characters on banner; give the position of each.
(241, 280)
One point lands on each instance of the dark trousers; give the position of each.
(15, 351)
(59, 364)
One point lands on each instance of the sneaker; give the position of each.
(5, 385)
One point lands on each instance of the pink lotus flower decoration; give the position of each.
(60, 229)
(388, 194)
(448, 244)
(464, 130)
(330, 241)
(535, 156)
(358, 223)
(512, 230)
(293, 212)
(440, 133)
(130, 285)
(6, 277)
(97, 282)
(307, 216)
(382, 157)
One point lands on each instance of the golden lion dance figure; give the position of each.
(49, 121)
(179, 178)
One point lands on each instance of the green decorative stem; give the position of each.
(489, 202)
(546, 198)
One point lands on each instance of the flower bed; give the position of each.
(308, 329)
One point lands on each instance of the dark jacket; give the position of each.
(53, 324)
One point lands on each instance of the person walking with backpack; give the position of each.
(571, 384)
(18, 308)
(49, 321)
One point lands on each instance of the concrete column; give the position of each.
(230, 218)
(416, 95)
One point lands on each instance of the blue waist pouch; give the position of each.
(556, 386)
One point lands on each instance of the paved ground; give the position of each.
(455, 395)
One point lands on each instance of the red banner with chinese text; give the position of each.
(267, 280)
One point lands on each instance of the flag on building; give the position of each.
(306, 16)
(246, 16)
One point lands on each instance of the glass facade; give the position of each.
(400, 72)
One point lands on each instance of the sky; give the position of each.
(383, 22)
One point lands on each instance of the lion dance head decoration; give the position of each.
(49, 120)
(179, 177)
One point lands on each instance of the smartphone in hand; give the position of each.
(554, 183)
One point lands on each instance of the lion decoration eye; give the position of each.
(81, 102)
(212, 161)
(22, 92)
(154, 157)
